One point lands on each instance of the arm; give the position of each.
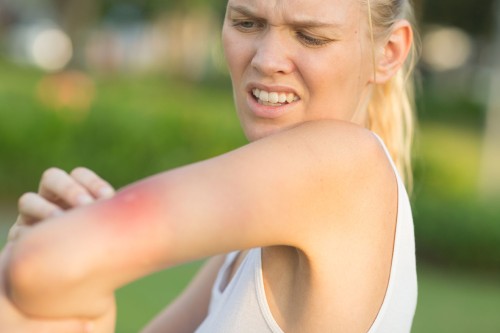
(13, 320)
(58, 191)
(187, 312)
(234, 201)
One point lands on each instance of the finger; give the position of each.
(15, 232)
(97, 186)
(33, 207)
(56, 185)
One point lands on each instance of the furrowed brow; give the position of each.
(313, 24)
(243, 11)
(298, 24)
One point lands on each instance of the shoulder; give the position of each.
(338, 137)
(328, 173)
(345, 150)
(355, 186)
(338, 157)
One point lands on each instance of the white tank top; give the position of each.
(241, 307)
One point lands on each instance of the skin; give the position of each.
(322, 229)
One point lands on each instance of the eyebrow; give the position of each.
(295, 23)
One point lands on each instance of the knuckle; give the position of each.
(25, 199)
(96, 183)
(71, 191)
(50, 173)
(79, 171)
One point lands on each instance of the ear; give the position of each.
(393, 53)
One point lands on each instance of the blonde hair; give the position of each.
(390, 110)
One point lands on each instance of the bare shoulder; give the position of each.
(346, 251)
(349, 158)
(338, 142)
(353, 176)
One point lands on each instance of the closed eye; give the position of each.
(310, 40)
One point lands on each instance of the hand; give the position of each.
(13, 321)
(59, 191)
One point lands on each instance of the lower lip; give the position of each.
(267, 111)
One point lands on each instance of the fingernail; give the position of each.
(84, 199)
(106, 192)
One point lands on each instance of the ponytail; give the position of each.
(390, 111)
(390, 115)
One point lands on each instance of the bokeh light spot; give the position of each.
(70, 93)
(446, 48)
(52, 49)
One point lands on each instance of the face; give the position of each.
(293, 61)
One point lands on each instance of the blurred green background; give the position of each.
(131, 88)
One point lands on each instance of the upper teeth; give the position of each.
(274, 97)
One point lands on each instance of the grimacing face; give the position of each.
(293, 61)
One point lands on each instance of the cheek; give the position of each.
(237, 54)
(229, 50)
(334, 81)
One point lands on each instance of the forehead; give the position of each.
(338, 12)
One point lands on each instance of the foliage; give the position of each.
(134, 128)
(461, 13)
(454, 223)
(444, 102)
(155, 7)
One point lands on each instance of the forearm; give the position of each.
(71, 265)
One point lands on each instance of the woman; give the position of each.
(312, 212)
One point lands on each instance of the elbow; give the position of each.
(21, 278)
(33, 281)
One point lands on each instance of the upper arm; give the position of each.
(282, 190)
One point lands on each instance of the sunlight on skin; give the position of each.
(132, 205)
(136, 215)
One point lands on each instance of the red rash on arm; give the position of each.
(133, 226)
(133, 206)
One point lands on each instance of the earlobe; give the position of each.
(394, 52)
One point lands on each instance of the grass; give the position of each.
(140, 301)
(457, 301)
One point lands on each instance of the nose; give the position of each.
(272, 54)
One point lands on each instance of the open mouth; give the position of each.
(271, 98)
